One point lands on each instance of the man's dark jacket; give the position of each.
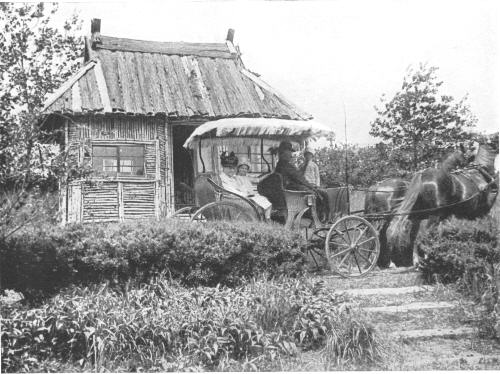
(295, 181)
(292, 177)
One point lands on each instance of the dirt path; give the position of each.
(425, 327)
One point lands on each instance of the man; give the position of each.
(294, 180)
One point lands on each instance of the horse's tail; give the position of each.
(411, 196)
(399, 232)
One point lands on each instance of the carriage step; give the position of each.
(436, 333)
(184, 217)
(384, 291)
(409, 307)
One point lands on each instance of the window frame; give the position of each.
(249, 153)
(117, 145)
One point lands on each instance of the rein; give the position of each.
(430, 210)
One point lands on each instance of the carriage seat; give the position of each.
(287, 204)
(337, 202)
(271, 187)
(203, 190)
(208, 188)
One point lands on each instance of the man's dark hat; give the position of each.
(285, 146)
(228, 160)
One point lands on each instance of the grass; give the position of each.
(162, 326)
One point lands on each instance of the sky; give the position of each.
(329, 55)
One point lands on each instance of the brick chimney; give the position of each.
(95, 30)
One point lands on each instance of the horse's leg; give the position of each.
(384, 259)
(433, 221)
(401, 238)
(415, 229)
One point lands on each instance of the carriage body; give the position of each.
(344, 237)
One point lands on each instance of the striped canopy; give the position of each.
(250, 131)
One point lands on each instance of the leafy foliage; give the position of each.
(366, 165)
(468, 253)
(420, 122)
(164, 327)
(37, 58)
(43, 261)
(459, 250)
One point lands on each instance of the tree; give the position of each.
(36, 58)
(366, 165)
(420, 123)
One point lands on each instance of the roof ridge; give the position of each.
(215, 50)
(164, 42)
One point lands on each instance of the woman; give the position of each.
(247, 187)
(241, 184)
(228, 173)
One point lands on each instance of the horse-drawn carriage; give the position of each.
(351, 242)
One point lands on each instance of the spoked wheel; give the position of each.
(352, 247)
(224, 211)
(304, 225)
(185, 213)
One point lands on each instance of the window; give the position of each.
(120, 160)
(252, 154)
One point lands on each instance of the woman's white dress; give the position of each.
(242, 185)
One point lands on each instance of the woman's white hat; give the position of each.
(243, 161)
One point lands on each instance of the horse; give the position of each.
(384, 198)
(438, 193)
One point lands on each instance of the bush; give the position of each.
(460, 250)
(162, 326)
(467, 253)
(197, 254)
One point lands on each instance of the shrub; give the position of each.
(460, 250)
(467, 253)
(162, 326)
(196, 254)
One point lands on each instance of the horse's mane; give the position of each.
(452, 160)
(485, 156)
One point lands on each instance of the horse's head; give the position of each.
(456, 159)
(470, 150)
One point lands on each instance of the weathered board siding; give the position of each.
(100, 202)
(113, 199)
(169, 205)
(114, 128)
(74, 195)
(139, 200)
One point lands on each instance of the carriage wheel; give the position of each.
(224, 211)
(352, 247)
(185, 213)
(304, 225)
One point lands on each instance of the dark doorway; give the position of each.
(183, 167)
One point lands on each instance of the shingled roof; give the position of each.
(181, 80)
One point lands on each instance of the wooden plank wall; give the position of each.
(138, 200)
(169, 170)
(100, 202)
(114, 128)
(120, 199)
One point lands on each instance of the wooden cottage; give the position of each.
(127, 112)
